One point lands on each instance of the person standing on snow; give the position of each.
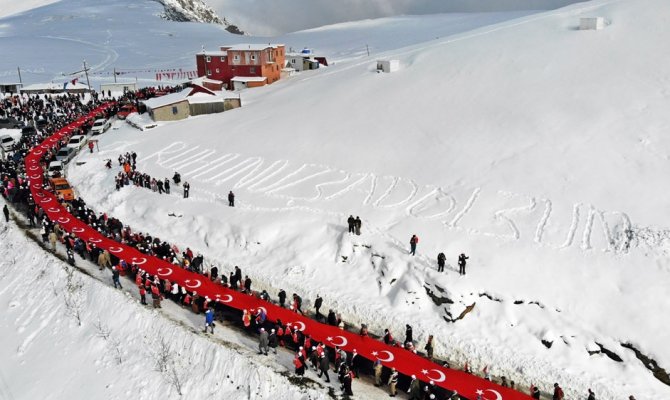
(441, 259)
(592, 396)
(414, 389)
(408, 334)
(209, 320)
(115, 278)
(324, 366)
(413, 241)
(166, 186)
(187, 187)
(282, 298)
(317, 305)
(429, 347)
(558, 393)
(461, 263)
(231, 199)
(377, 368)
(263, 342)
(352, 223)
(393, 381)
(357, 225)
(273, 341)
(5, 211)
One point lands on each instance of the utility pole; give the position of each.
(114, 74)
(20, 80)
(367, 49)
(86, 72)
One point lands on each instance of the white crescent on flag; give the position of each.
(164, 271)
(342, 342)
(441, 376)
(389, 356)
(300, 325)
(115, 249)
(189, 283)
(226, 298)
(139, 261)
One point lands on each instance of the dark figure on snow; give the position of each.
(115, 278)
(176, 178)
(187, 187)
(357, 225)
(231, 199)
(282, 298)
(324, 365)
(413, 241)
(461, 263)
(441, 259)
(535, 392)
(558, 393)
(5, 211)
(166, 185)
(317, 305)
(352, 223)
(592, 396)
(332, 318)
(159, 184)
(247, 284)
(408, 334)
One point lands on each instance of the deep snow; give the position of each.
(535, 148)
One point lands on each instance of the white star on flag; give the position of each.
(329, 338)
(424, 371)
(480, 392)
(374, 353)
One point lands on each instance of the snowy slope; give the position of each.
(535, 148)
(47, 355)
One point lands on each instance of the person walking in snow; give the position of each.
(317, 305)
(263, 342)
(187, 188)
(53, 238)
(429, 347)
(534, 392)
(461, 263)
(558, 393)
(5, 211)
(176, 178)
(378, 368)
(324, 366)
(413, 241)
(393, 381)
(282, 298)
(414, 389)
(209, 320)
(143, 295)
(441, 260)
(592, 396)
(115, 278)
(408, 334)
(357, 225)
(231, 199)
(166, 186)
(352, 223)
(273, 341)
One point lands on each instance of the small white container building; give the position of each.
(388, 65)
(119, 87)
(591, 23)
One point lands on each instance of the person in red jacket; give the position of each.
(413, 241)
(558, 392)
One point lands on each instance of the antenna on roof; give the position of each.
(203, 48)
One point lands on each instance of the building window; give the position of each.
(293, 61)
(208, 59)
(253, 57)
(217, 70)
(175, 110)
(209, 72)
(252, 70)
(223, 59)
(236, 57)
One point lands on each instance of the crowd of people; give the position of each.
(272, 334)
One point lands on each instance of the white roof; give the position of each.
(252, 46)
(54, 86)
(168, 99)
(249, 79)
(200, 98)
(215, 53)
(203, 79)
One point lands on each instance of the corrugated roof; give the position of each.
(168, 99)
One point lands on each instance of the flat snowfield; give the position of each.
(537, 149)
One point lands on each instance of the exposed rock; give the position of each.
(651, 364)
(194, 11)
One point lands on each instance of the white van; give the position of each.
(56, 169)
(7, 142)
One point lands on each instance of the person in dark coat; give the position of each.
(461, 263)
(535, 392)
(5, 211)
(273, 341)
(282, 297)
(332, 318)
(317, 305)
(351, 222)
(592, 396)
(441, 259)
(357, 225)
(247, 284)
(324, 365)
(166, 185)
(408, 334)
(346, 384)
(231, 199)
(263, 342)
(115, 278)
(187, 188)
(558, 393)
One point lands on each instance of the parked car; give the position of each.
(66, 154)
(7, 142)
(28, 131)
(100, 126)
(62, 188)
(125, 111)
(56, 169)
(9, 123)
(77, 142)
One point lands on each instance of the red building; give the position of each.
(242, 60)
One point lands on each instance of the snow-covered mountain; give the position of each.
(537, 149)
(194, 11)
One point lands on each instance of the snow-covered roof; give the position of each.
(168, 99)
(200, 81)
(249, 79)
(251, 46)
(215, 53)
(54, 86)
(200, 98)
